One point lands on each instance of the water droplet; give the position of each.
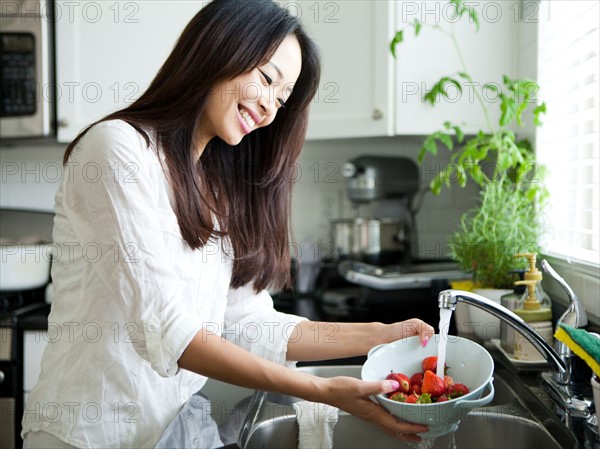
(452, 444)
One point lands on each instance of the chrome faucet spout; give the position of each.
(574, 316)
(449, 298)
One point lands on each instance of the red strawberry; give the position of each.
(416, 389)
(448, 381)
(398, 396)
(402, 380)
(430, 364)
(416, 379)
(457, 390)
(442, 398)
(412, 399)
(433, 384)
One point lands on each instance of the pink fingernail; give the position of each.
(393, 385)
(425, 341)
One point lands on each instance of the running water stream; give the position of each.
(444, 325)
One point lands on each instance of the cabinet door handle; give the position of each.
(377, 114)
(63, 123)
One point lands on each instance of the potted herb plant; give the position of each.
(506, 220)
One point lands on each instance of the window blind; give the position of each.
(568, 141)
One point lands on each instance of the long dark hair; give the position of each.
(247, 187)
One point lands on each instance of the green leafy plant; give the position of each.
(489, 235)
(506, 220)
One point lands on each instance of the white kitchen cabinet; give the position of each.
(423, 60)
(107, 53)
(355, 98)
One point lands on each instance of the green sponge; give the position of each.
(582, 343)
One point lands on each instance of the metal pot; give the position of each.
(362, 238)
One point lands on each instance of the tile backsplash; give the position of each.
(584, 280)
(319, 192)
(30, 175)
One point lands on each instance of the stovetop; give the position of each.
(399, 277)
(18, 306)
(338, 298)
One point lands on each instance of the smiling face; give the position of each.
(250, 101)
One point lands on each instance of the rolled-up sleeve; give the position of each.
(252, 323)
(110, 197)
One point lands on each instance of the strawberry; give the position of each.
(416, 379)
(442, 398)
(433, 384)
(430, 364)
(457, 390)
(398, 396)
(416, 389)
(448, 381)
(412, 399)
(402, 380)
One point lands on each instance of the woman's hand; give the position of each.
(352, 395)
(408, 328)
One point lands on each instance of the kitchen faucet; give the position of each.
(571, 405)
(449, 298)
(574, 316)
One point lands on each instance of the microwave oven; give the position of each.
(26, 68)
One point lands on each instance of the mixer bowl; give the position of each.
(364, 238)
(468, 363)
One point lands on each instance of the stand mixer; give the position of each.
(376, 275)
(386, 188)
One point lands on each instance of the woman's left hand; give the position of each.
(408, 328)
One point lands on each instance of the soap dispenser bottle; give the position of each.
(533, 274)
(534, 310)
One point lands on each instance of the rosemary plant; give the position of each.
(506, 221)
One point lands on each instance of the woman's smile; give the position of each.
(251, 100)
(248, 119)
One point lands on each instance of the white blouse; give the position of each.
(129, 296)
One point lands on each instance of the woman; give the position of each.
(171, 221)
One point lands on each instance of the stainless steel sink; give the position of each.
(494, 431)
(508, 422)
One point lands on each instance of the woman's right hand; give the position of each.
(212, 356)
(353, 396)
